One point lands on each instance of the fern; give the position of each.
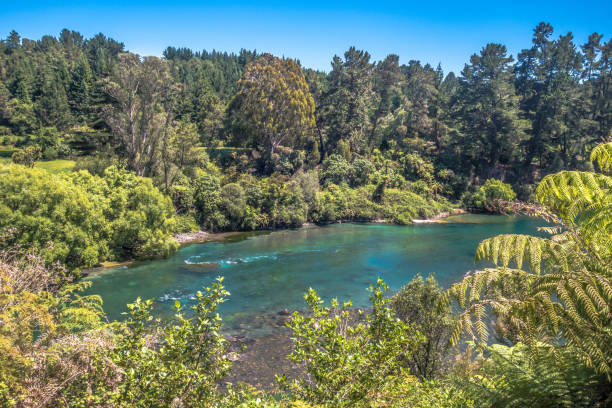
(602, 155)
(542, 376)
(556, 289)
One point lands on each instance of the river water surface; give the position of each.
(266, 273)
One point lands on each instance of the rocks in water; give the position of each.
(193, 236)
(203, 267)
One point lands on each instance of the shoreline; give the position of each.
(201, 236)
(440, 217)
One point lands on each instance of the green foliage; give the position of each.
(335, 170)
(563, 299)
(186, 367)
(41, 329)
(27, 156)
(421, 304)
(82, 220)
(540, 376)
(273, 107)
(602, 154)
(348, 358)
(486, 196)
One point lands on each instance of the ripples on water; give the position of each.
(267, 273)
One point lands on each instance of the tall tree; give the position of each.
(348, 99)
(273, 106)
(143, 94)
(547, 77)
(487, 107)
(387, 81)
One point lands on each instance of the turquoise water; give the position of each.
(266, 273)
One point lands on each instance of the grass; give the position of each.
(52, 166)
(56, 166)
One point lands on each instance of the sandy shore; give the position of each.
(440, 217)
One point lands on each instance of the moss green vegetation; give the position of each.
(56, 166)
(82, 220)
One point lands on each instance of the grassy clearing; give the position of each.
(52, 166)
(56, 166)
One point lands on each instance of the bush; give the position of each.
(421, 304)
(27, 156)
(348, 357)
(232, 202)
(82, 220)
(361, 171)
(335, 170)
(487, 194)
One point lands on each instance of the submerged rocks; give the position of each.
(203, 267)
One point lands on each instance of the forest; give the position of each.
(106, 155)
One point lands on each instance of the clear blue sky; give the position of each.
(430, 31)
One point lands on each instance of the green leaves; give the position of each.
(564, 296)
(273, 107)
(180, 363)
(82, 220)
(349, 357)
(602, 155)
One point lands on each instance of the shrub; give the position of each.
(348, 358)
(487, 194)
(361, 170)
(27, 156)
(421, 304)
(81, 220)
(335, 170)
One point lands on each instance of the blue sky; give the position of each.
(431, 31)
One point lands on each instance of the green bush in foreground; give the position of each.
(349, 358)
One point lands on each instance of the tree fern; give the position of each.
(602, 155)
(542, 376)
(557, 289)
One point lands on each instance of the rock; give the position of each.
(203, 267)
(284, 312)
(231, 356)
(193, 236)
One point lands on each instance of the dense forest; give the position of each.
(106, 155)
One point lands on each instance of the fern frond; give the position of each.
(602, 154)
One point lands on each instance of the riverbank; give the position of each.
(196, 237)
(440, 217)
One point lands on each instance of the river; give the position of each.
(269, 272)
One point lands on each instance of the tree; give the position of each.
(387, 81)
(27, 156)
(488, 110)
(421, 304)
(179, 149)
(142, 92)
(273, 106)
(547, 76)
(347, 100)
